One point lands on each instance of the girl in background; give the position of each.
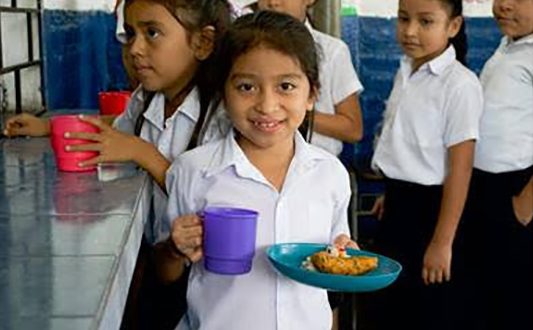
(425, 153)
(169, 44)
(498, 229)
(338, 116)
(268, 79)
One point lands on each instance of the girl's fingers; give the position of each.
(91, 162)
(95, 121)
(191, 231)
(432, 276)
(447, 275)
(344, 241)
(341, 240)
(380, 214)
(353, 245)
(83, 147)
(188, 241)
(438, 276)
(195, 242)
(191, 220)
(196, 255)
(84, 136)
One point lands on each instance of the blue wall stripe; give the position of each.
(82, 58)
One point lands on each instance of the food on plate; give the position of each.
(337, 261)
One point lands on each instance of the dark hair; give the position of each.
(255, 7)
(459, 42)
(277, 31)
(194, 15)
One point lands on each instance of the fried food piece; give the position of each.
(355, 265)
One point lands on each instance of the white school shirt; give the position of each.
(312, 207)
(506, 130)
(338, 80)
(428, 111)
(170, 136)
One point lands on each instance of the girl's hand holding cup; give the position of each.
(112, 145)
(187, 235)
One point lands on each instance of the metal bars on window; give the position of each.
(32, 61)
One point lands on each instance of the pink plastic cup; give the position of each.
(68, 160)
(113, 103)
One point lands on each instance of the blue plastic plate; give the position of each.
(287, 259)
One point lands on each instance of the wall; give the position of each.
(81, 56)
(369, 30)
(81, 52)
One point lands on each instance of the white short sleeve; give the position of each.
(463, 113)
(345, 81)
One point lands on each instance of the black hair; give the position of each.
(255, 7)
(277, 31)
(459, 42)
(194, 15)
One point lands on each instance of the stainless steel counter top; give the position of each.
(68, 242)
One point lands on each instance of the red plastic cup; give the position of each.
(68, 160)
(113, 103)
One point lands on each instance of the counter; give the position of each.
(68, 241)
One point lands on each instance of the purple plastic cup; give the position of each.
(229, 239)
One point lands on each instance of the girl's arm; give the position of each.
(148, 157)
(170, 264)
(28, 125)
(523, 204)
(378, 209)
(345, 125)
(437, 259)
(116, 146)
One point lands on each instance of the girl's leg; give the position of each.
(410, 215)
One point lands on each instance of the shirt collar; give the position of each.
(506, 41)
(156, 110)
(436, 66)
(308, 25)
(230, 154)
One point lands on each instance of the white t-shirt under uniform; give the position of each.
(428, 111)
(506, 130)
(338, 80)
(220, 174)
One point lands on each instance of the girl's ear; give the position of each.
(203, 43)
(455, 26)
(310, 104)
